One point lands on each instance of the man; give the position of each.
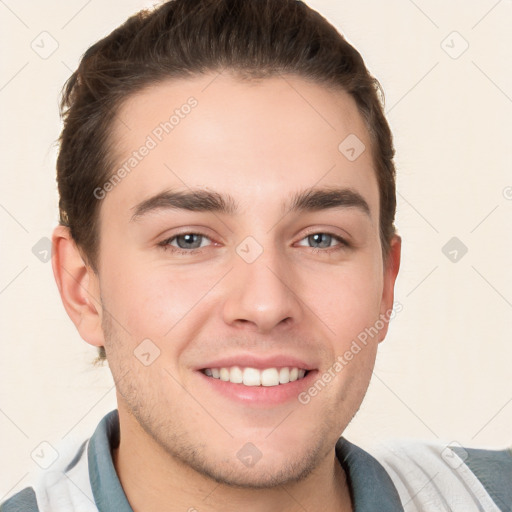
(227, 200)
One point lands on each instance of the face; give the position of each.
(242, 244)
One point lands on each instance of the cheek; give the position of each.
(154, 302)
(346, 300)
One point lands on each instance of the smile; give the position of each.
(254, 377)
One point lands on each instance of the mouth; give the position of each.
(263, 387)
(257, 380)
(255, 377)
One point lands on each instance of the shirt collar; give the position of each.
(106, 487)
(371, 487)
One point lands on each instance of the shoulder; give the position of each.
(62, 487)
(23, 501)
(67, 483)
(429, 475)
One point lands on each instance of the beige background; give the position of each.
(444, 371)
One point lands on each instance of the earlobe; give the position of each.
(391, 268)
(78, 286)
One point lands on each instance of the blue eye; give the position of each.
(185, 243)
(189, 240)
(322, 239)
(322, 242)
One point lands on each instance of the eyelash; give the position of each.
(165, 244)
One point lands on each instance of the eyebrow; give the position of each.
(196, 200)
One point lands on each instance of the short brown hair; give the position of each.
(181, 38)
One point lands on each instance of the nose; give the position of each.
(262, 295)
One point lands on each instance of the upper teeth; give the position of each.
(255, 377)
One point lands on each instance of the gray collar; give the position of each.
(371, 487)
(106, 487)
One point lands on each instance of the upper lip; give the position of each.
(258, 362)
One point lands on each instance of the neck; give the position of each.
(155, 481)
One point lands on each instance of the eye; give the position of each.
(322, 242)
(185, 243)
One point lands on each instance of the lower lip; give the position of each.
(260, 395)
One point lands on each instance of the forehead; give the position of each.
(257, 140)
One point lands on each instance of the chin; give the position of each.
(262, 475)
(246, 466)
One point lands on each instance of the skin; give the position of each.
(260, 142)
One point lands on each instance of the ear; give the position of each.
(78, 286)
(391, 267)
